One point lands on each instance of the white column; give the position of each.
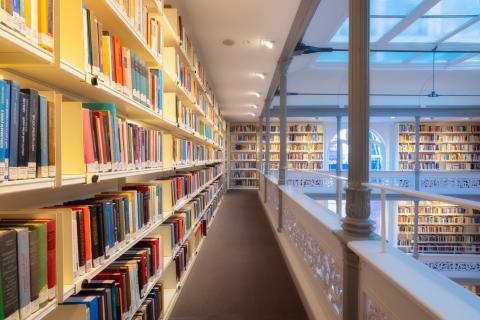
(267, 140)
(282, 170)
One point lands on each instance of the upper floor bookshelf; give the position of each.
(442, 146)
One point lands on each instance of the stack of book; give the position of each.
(27, 133)
(33, 19)
(112, 143)
(119, 290)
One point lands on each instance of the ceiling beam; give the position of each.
(376, 111)
(405, 23)
(306, 11)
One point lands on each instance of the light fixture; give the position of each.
(392, 117)
(254, 106)
(267, 43)
(259, 75)
(251, 114)
(256, 94)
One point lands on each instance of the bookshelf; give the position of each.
(163, 132)
(305, 146)
(447, 147)
(243, 156)
(442, 228)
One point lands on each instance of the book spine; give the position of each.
(23, 272)
(9, 271)
(88, 240)
(3, 125)
(94, 236)
(32, 135)
(14, 123)
(23, 136)
(51, 139)
(51, 260)
(81, 242)
(42, 141)
(34, 270)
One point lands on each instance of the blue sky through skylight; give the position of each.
(378, 27)
(441, 57)
(455, 7)
(429, 30)
(335, 56)
(390, 57)
(393, 7)
(468, 35)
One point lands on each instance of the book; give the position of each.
(42, 138)
(14, 131)
(23, 136)
(90, 301)
(51, 139)
(3, 131)
(32, 132)
(9, 271)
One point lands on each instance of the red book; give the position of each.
(122, 64)
(119, 278)
(88, 142)
(101, 135)
(156, 244)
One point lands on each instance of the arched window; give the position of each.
(377, 151)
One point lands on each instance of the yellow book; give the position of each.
(106, 58)
(45, 24)
(169, 107)
(167, 202)
(167, 150)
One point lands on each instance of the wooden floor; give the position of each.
(240, 272)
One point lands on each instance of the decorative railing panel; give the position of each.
(458, 183)
(311, 231)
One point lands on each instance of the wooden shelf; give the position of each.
(17, 49)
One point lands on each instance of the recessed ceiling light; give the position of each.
(392, 117)
(267, 43)
(251, 114)
(228, 42)
(254, 106)
(259, 75)
(256, 94)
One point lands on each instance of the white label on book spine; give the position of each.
(52, 293)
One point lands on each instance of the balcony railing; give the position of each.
(392, 284)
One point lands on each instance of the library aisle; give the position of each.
(240, 272)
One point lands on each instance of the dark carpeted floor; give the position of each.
(240, 273)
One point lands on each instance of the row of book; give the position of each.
(245, 147)
(188, 152)
(244, 183)
(432, 238)
(409, 127)
(112, 143)
(242, 128)
(245, 138)
(245, 174)
(119, 67)
(446, 248)
(434, 207)
(244, 156)
(440, 219)
(27, 265)
(304, 128)
(298, 156)
(318, 138)
(441, 229)
(186, 117)
(32, 19)
(298, 165)
(27, 133)
(119, 290)
(244, 165)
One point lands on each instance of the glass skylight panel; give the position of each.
(455, 7)
(393, 7)
(391, 57)
(468, 35)
(441, 57)
(429, 30)
(335, 56)
(474, 59)
(378, 28)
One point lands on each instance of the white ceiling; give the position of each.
(230, 68)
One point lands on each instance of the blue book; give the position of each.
(42, 137)
(3, 124)
(13, 130)
(8, 101)
(107, 207)
(90, 301)
(112, 110)
(126, 213)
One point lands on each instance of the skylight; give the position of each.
(455, 7)
(474, 59)
(429, 30)
(393, 7)
(391, 57)
(441, 57)
(378, 28)
(468, 35)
